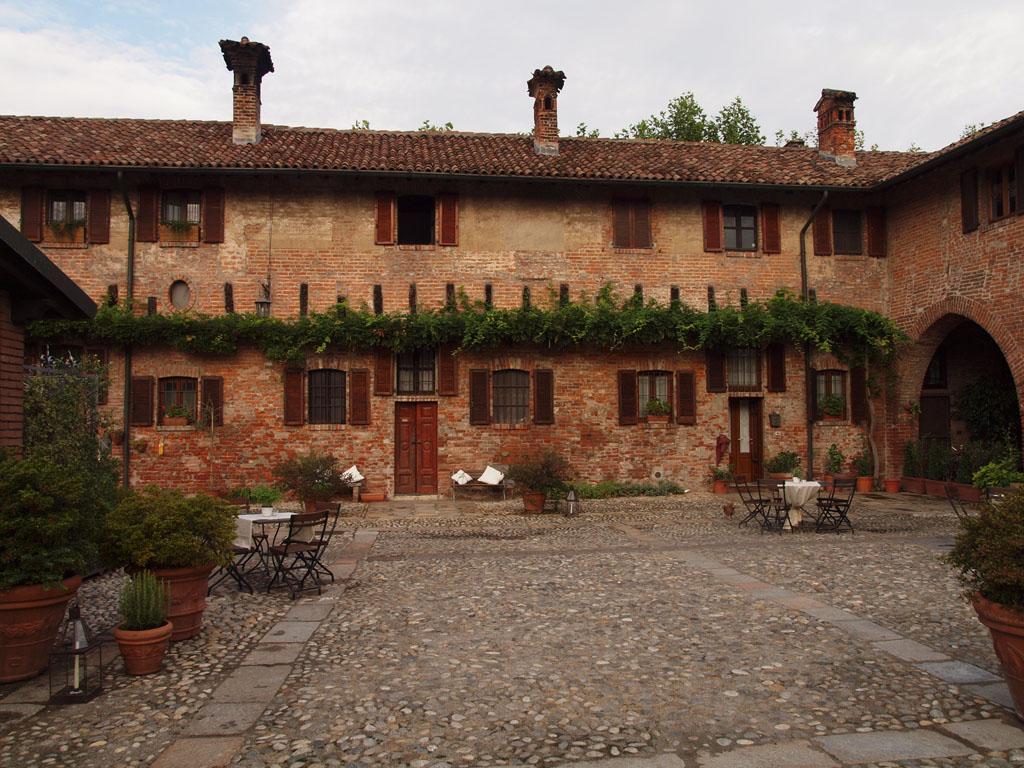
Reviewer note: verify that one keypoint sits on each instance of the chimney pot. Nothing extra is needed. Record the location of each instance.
(544, 87)
(837, 137)
(250, 62)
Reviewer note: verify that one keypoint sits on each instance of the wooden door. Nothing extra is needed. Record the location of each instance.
(746, 436)
(935, 418)
(416, 448)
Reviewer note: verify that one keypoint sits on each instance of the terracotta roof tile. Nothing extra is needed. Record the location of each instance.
(199, 145)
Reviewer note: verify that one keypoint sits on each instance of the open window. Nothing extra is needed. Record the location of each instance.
(416, 219)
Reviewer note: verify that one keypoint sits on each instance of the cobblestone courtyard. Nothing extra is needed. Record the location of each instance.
(480, 637)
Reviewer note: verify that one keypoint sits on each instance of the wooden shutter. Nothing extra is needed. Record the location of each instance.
(716, 371)
(213, 215)
(382, 378)
(98, 211)
(384, 211)
(858, 394)
(32, 213)
(147, 220)
(771, 228)
(823, 233)
(686, 397)
(101, 354)
(212, 398)
(969, 200)
(360, 383)
(621, 229)
(712, 226)
(479, 401)
(1019, 178)
(776, 354)
(141, 401)
(628, 400)
(812, 395)
(641, 224)
(543, 396)
(876, 230)
(447, 370)
(294, 410)
(448, 218)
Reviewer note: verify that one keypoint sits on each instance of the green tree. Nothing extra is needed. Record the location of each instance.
(735, 125)
(685, 120)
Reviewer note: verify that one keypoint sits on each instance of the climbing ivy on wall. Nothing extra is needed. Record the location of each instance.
(604, 320)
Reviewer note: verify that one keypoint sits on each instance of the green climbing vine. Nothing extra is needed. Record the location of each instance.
(604, 320)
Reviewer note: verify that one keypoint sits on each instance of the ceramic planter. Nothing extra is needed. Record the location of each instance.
(533, 501)
(187, 587)
(892, 485)
(865, 484)
(143, 650)
(175, 421)
(912, 484)
(720, 486)
(29, 621)
(1007, 629)
(935, 488)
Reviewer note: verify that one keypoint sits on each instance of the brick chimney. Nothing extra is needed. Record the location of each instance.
(836, 136)
(544, 87)
(250, 62)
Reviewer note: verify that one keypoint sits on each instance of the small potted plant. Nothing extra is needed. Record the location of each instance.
(719, 479)
(540, 476)
(830, 406)
(313, 477)
(658, 411)
(863, 467)
(264, 497)
(834, 462)
(116, 435)
(782, 466)
(989, 555)
(140, 444)
(144, 630)
(176, 416)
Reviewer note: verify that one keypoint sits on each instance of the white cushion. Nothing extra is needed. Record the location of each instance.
(352, 474)
(462, 477)
(491, 476)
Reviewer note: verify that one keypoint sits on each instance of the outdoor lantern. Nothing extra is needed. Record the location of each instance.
(262, 307)
(572, 504)
(76, 662)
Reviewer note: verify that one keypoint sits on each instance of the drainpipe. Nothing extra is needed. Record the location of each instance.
(808, 382)
(126, 446)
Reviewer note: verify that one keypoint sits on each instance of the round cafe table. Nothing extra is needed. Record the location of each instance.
(796, 493)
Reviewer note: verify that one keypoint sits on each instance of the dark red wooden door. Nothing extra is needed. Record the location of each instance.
(746, 436)
(416, 448)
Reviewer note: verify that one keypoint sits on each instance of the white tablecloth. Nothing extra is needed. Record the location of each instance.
(797, 493)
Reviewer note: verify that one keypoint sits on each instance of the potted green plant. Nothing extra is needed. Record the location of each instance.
(719, 479)
(116, 435)
(782, 466)
(989, 555)
(831, 406)
(313, 477)
(912, 480)
(834, 461)
(539, 476)
(264, 497)
(180, 539)
(176, 416)
(863, 467)
(1001, 473)
(658, 410)
(144, 630)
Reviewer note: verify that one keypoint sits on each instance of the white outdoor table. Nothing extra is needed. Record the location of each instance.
(263, 543)
(797, 493)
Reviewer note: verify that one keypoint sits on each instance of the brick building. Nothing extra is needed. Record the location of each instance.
(242, 217)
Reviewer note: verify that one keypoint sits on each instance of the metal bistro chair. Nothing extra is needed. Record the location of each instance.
(759, 503)
(834, 507)
(295, 558)
(243, 549)
(333, 513)
(962, 508)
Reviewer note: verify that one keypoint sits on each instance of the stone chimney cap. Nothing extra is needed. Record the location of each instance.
(244, 54)
(829, 93)
(548, 75)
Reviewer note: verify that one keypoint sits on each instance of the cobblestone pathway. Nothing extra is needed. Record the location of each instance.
(652, 629)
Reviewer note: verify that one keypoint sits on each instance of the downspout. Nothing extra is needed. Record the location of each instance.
(126, 451)
(808, 383)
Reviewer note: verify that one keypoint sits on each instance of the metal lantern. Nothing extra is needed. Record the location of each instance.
(76, 662)
(572, 504)
(262, 307)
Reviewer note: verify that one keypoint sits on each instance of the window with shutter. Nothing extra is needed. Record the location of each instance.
(178, 392)
(858, 394)
(650, 386)
(382, 384)
(415, 372)
(628, 408)
(830, 395)
(822, 233)
(712, 226)
(686, 397)
(147, 217)
(384, 218)
(32, 213)
(716, 371)
(739, 226)
(743, 369)
(447, 371)
(1002, 185)
(969, 199)
(772, 228)
(543, 396)
(360, 396)
(776, 354)
(876, 231)
(479, 402)
(846, 232)
(181, 215)
(98, 211)
(631, 223)
(448, 206)
(510, 391)
(415, 219)
(141, 400)
(65, 216)
(326, 396)
(213, 215)
(212, 397)
(294, 413)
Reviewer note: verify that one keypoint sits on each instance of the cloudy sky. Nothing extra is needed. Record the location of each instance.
(922, 71)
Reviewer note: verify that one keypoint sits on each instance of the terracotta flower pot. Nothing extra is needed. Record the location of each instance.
(187, 587)
(892, 485)
(720, 486)
(864, 484)
(143, 650)
(533, 501)
(912, 484)
(1007, 629)
(936, 488)
(29, 621)
(175, 421)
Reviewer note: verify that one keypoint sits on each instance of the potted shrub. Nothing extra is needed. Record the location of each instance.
(180, 539)
(658, 410)
(863, 467)
(998, 474)
(831, 406)
(782, 466)
(719, 479)
(264, 497)
(540, 476)
(834, 462)
(313, 477)
(938, 468)
(144, 630)
(176, 416)
(989, 555)
(46, 541)
(913, 476)
(116, 435)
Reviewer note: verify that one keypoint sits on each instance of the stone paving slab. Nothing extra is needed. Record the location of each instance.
(791, 755)
(273, 653)
(291, 632)
(997, 692)
(989, 734)
(867, 630)
(222, 719)
(775, 593)
(252, 684)
(343, 569)
(208, 752)
(829, 613)
(891, 745)
(17, 711)
(802, 603)
(658, 761)
(910, 650)
(310, 612)
(958, 672)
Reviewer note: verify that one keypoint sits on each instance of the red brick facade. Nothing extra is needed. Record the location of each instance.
(12, 374)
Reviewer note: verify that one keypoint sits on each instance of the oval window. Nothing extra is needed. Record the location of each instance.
(181, 294)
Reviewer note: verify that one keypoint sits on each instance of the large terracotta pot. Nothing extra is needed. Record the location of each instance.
(892, 484)
(719, 486)
(912, 484)
(533, 501)
(29, 621)
(1007, 629)
(143, 650)
(187, 587)
(864, 484)
(936, 488)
